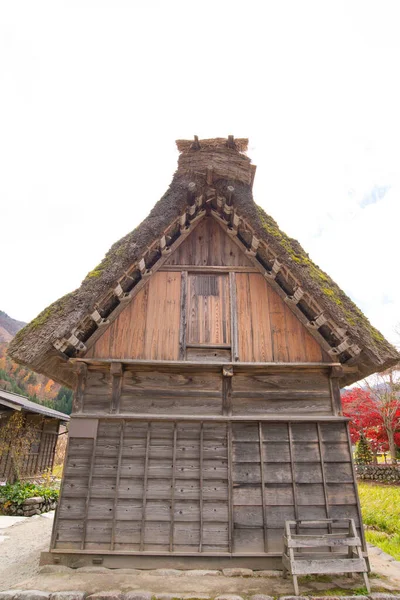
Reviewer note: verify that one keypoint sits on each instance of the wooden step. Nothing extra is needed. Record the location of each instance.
(328, 565)
(320, 541)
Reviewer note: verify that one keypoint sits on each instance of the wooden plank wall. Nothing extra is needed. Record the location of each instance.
(267, 329)
(293, 393)
(209, 246)
(202, 487)
(162, 391)
(149, 326)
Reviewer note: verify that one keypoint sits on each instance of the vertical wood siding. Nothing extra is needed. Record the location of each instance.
(267, 329)
(149, 326)
(202, 487)
(209, 246)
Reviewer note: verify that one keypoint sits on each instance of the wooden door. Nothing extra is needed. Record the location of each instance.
(208, 330)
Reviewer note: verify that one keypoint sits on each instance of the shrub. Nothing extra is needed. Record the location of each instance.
(16, 493)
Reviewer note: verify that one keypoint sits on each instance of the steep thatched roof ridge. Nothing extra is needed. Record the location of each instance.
(34, 345)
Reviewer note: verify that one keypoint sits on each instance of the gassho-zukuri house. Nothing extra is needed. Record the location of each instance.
(206, 353)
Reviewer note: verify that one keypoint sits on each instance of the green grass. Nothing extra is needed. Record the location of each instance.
(380, 505)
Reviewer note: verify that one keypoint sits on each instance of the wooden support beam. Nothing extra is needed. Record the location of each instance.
(231, 142)
(116, 370)
(146, 475)
(82, 370)
(201, 485)
(229, 194)
(321, 457)
(196, 144)
(230, 489)
(173, 483)
(210, 175)
(227, 394)
(191, 194)
(234, 317)
(336, 399)
(183, 317)
(87, 501)
(293, 472)
(120, 450)
(265, 514)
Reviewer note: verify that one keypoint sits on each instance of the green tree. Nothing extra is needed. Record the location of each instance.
(363, 454)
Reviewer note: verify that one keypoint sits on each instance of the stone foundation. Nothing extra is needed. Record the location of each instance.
(29, 507)
(383, 473)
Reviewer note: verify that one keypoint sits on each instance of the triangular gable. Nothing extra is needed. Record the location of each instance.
(149, 327)
(213, 177)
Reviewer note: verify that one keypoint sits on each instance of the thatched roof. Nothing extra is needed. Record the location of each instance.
(208, 170)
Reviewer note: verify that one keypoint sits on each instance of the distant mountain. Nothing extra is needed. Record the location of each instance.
(21, 380)
(8, 327)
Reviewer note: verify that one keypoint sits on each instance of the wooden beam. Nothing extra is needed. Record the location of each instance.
(238, 367)
(81, 369)
(91, 469)
(230, 489)
(120, 449)
(217, 418)
(116, 370)
(183, 317)
(265, 516)
(201, 485)
(146, 474)
(321, 456)
(292, 470)
(173, 483)
(209, 269)
(234, 317)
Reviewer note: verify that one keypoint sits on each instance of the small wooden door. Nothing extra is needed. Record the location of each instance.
(208, 330)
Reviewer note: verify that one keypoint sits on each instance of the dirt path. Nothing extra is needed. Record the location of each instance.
(21, 547)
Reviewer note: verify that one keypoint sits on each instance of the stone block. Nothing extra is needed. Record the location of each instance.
(201, 573)
(128, 572)
(137, 595)
(36, 500)
(261, 597)
(228, 597)
(55, 569)
(166, 572)
(92, 570)
(109, 595)
(164, 596)
(32, 595)
(68, 596)
(267, 574)
(237, 572)
(9, 594)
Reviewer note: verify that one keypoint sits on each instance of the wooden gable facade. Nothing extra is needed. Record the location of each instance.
(205, 415)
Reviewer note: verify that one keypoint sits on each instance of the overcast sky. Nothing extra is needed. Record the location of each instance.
(94, 93)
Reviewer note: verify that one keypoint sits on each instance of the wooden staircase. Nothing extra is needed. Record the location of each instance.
(328, 553)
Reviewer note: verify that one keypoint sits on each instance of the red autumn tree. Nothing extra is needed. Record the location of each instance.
(375, 412)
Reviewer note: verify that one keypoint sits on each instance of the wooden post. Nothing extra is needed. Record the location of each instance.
(91, 468)
(120, 449)
(296, 509)
(116, 370)
(80, 387)
(172, 524)
(183, 325)
(260, 439)
(234, 317)
(146, 474)
(321, 455)
(201, 486)
(336, 373)
(230, 488)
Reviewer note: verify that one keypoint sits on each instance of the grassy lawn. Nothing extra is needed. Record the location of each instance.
(380, 505)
